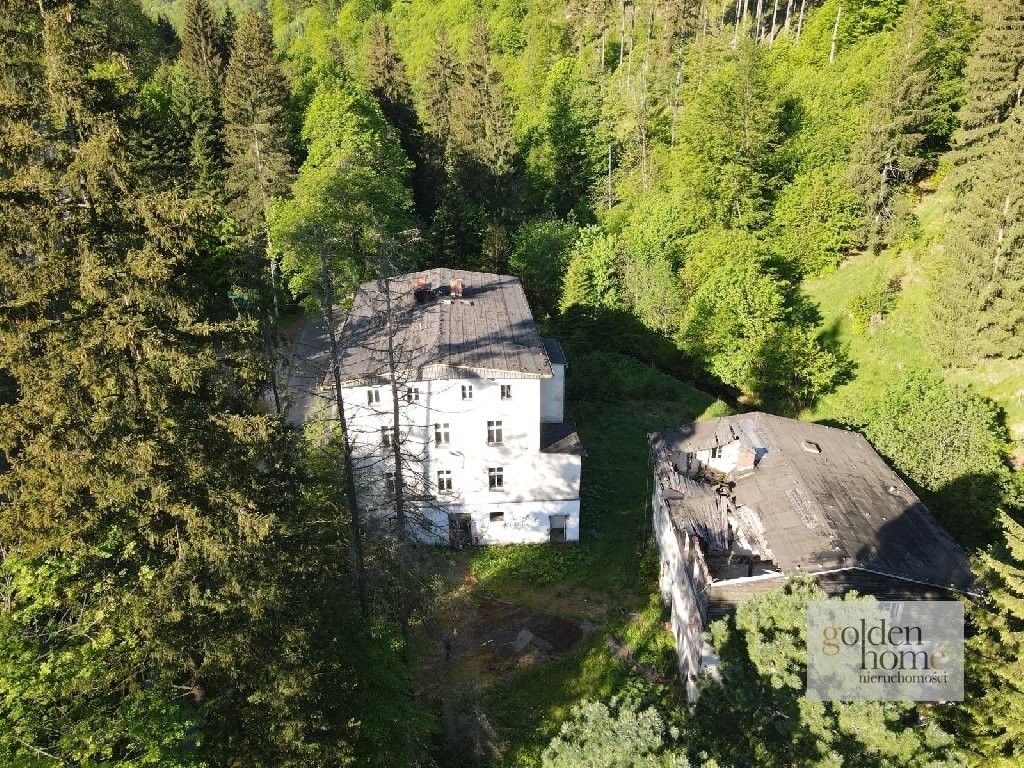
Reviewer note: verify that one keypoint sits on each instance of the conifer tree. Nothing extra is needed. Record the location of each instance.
(202, 46)
(157, 555)
(199, 94)
(995, 656)
(226, 37)
(256, 139)
(979, 295)
(994, 77)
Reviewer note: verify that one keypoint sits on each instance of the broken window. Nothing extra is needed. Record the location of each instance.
(497, 517)
(506, 391)
(388, 436)
(494, 432)
(389, 481)
(496, 478)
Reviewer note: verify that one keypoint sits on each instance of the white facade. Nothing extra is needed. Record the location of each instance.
(683, 582)
(474, 470)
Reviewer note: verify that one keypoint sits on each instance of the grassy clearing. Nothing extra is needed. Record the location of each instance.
(607, 579)
(901, 339)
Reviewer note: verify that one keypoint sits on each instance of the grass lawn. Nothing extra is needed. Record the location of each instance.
(902, 339)
(607, 579)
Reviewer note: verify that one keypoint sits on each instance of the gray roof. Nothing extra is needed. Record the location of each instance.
(488, 331)
(561, 438)
(825, 499)
(554, 350)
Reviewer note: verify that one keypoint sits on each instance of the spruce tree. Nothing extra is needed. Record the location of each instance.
(256, 139)
(385, 74)
(199, 94)
(158, 548)
(226, 36)
(995, 656)
(994, 77)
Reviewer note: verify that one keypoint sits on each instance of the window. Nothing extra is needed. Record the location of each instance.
(412, 394)
(497, 517)
(389, 480)
(506, 391)
(372, 396)
(467, 391)
(388, 436)
(496, 478)
(716, 452)
(441, 436)
(444, 480)
(493, 432)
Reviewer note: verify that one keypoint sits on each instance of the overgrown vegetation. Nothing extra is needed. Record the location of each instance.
(693, 193)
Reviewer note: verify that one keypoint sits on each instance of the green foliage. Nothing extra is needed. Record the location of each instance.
(255, 99)
(950, 443)
(748, 328)
(349, 196)
(567, 156)
(591, 277)
(816, 217)
(994, 695)
(763, 668)
(539, 258)
(620, 734)
(873, 304)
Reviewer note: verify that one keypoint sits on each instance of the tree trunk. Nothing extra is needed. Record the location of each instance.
(404, 609)
(835, 35)
(356, 542)
(610, 198)
(622, 33)
(800, 21)
(675, 99)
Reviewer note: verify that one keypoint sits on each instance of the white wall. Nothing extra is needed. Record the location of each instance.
(535, 484)
(552, 396)
(522, 523)
(682, 581)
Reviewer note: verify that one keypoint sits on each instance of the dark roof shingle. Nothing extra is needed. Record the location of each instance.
(488, 329)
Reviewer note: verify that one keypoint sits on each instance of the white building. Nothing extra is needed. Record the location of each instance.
(487, 456)
(742, 502)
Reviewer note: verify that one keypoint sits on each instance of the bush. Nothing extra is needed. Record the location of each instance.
(873, 304)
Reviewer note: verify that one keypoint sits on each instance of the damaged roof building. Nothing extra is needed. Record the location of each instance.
(742, 502)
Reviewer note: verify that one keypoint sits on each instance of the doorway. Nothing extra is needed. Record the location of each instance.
(557, 532)
(460, 530)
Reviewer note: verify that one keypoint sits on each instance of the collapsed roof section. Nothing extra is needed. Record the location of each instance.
(797, 497)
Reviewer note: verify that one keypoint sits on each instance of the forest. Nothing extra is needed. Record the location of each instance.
(809, 207)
